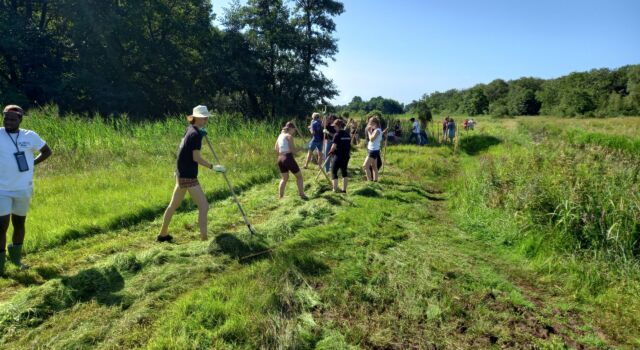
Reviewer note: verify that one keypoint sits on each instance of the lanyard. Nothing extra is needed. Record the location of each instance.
(15, 143)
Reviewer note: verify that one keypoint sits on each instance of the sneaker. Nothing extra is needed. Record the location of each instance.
(167, 238)
(304, 197)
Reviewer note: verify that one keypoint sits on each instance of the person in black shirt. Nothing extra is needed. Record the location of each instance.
(187, 174)
(341, 150)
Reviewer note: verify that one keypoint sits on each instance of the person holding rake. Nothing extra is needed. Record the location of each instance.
(341, 150)
(189, 158)
(285, 148)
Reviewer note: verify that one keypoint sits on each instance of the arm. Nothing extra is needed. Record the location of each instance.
(197, 157)
(45, 152)
(292, 145)
(333, 149)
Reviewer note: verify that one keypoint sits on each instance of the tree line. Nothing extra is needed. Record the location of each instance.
(153, 58)
(596, 93)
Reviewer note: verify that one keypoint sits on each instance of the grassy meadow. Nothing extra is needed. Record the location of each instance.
(525, 234)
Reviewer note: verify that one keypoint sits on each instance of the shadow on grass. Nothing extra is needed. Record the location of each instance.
(235, 248)
(303, 261)
(33, 306)
(150, 213)
(367, 192)
(96, 283)
(475, 144)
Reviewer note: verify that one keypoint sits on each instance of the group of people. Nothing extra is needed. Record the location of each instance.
(332, 143)
(330, 139)
(469, 124)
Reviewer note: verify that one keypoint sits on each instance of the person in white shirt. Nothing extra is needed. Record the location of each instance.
(17, 161)
(415, 132)
(374, 134)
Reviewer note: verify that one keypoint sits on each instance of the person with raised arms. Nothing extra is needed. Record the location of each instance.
(316, 142)
(329, 132)
(285, 147)
(17, 162)
(186, 174)
(341, 150)
(374, 135)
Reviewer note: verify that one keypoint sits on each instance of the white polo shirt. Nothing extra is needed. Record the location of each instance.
(416, 127)
(11, 179)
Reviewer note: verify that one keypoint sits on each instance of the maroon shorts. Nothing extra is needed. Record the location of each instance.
(187, 183)
(287, 163)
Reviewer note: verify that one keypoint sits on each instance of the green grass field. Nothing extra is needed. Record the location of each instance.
(526, 235)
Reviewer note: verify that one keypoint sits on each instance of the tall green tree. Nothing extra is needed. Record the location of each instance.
(313, 21)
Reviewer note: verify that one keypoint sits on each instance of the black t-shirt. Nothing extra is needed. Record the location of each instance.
(332, 132)
(342, 140)
(192, 140)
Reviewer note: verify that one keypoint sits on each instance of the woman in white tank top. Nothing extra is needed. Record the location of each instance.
(286, 161)
(374, 134)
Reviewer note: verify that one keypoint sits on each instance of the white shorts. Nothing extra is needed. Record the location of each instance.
(15, 202)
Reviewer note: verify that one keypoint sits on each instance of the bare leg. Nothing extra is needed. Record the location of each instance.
(176, 199)
(374, 170)
(366, 166)
(300, 184)
(306, 162)
(283, 183)
(18, 229)
(199, 197)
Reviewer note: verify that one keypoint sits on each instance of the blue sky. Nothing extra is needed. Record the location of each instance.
(402, 49)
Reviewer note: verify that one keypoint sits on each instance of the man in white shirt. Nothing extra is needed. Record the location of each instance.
(415, 132)
(16, 180)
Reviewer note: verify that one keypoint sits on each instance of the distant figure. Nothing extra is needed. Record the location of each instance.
(286, 162)
(415, 131)
(451, 129)
(354, 133)
(445, 122)
(374, 134)
(316, 141)
(465, 124)
(397, 129)
(472, 124)
(17, 163)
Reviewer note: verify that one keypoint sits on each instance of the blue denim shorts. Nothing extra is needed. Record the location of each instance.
(313, 145)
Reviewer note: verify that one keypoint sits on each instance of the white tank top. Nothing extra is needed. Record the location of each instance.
(374, 145)
(283, 143)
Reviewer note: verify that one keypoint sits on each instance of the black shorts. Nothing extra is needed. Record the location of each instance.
(339, 164)
(287, 163)
(374, 154)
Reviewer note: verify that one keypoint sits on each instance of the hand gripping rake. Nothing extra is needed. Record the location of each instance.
(235, 198)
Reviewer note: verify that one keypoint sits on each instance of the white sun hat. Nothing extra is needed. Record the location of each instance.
(200, 111)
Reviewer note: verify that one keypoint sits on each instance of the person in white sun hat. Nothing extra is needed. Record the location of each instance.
(17, 161)
(189, 158)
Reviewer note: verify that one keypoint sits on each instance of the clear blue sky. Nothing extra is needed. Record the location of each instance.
(402, 49)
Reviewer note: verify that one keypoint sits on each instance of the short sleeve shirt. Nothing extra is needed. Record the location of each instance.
(27, 141)
(416, 127)
(342, 140)
(186, 167)
(316, 129)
